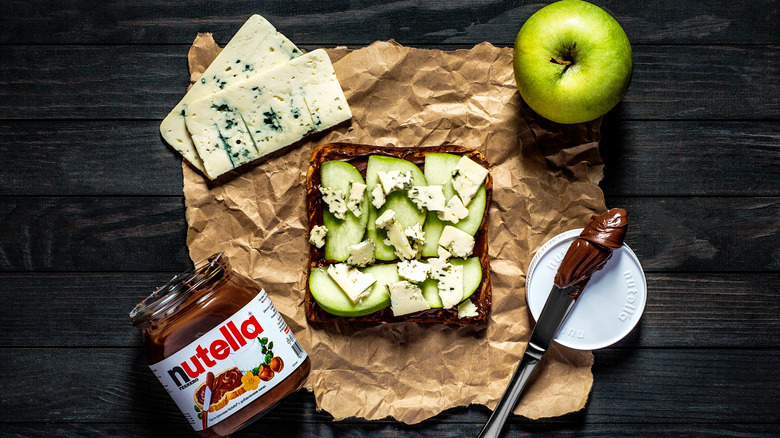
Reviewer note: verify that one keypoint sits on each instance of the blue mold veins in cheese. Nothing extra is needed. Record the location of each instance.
(256, 47)
(266, 112)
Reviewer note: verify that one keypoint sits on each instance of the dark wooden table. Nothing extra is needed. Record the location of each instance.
(92, 214)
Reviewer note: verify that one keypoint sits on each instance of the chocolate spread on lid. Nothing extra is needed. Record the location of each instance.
(591, 250)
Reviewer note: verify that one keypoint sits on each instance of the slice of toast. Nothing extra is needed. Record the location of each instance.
(227, 386)
(358, 155)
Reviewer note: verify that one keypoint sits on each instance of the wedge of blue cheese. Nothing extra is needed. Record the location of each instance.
(317, 235)
(394, 180)
(355, 284)
(266, 112)
(467, 177)
(413, 270)
(335, 201)
(449, 281)
(467, 309)
(256, 47)
(416, 237)
(406, 298)
(456, 242)
(428, 197)
(396, 237)
(355, 201)
(361, 254)
(378, 196)
(454, 211)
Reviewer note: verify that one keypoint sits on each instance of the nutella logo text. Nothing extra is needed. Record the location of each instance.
(233, 338)
(631, 291)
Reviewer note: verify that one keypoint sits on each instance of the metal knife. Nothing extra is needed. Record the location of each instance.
(559, 304)
(207, 400)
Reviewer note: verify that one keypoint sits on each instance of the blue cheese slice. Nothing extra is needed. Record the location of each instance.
(256, 47)
(361, 254)
(266, 112)
(443, 253)
(394, 180)
(467, 309)
(355, 284)
(416, 237)
(335, 200)
(406, 298)
(450, 284)
(454, 211)
(457, 242)
(377, 196)
(467, 176)
(449, 281)
(355, 201)
(413, 270)
(317, 235)
(396, 237)
(428, 197)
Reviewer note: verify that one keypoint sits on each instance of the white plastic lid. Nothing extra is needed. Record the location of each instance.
(608, 308)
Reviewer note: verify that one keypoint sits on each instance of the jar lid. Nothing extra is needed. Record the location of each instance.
(610, 305)
(167, 297)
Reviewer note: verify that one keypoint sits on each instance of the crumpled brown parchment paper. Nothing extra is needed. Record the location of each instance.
(545, 178)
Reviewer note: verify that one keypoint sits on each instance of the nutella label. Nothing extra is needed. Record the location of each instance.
(231, 365)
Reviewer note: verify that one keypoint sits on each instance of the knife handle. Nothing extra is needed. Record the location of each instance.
(531, 357)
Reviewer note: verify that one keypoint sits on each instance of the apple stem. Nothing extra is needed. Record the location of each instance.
(564, 62)
(558, 61)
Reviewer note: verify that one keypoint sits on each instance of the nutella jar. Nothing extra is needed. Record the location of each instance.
(219, 347)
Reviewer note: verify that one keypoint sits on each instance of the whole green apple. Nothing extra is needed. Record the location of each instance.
(572, 62)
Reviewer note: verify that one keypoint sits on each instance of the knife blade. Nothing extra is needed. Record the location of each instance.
(559, 304)
(207, 399)
(586, 255)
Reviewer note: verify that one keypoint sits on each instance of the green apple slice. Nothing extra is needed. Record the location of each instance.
(406, 213)
(438, 170)
(333, 300)
(472, 278)
(342, 233)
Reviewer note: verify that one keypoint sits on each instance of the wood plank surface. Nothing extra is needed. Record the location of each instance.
(361, 22)
(703, 234)
(670, 385)
(349, 429)
(92, 234)
(145, 82)
(683, 310)
(92, 216)
(661, 158)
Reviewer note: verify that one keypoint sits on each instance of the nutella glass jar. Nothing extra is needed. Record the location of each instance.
(219, 347)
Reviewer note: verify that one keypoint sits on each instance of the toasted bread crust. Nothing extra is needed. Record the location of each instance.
(358, 155)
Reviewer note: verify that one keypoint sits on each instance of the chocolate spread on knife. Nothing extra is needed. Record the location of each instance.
(213, 320)
(591, 250)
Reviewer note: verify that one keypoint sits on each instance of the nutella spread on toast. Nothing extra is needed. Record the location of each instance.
(591, 250)
(219, 347)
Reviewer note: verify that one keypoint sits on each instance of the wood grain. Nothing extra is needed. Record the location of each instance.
(683, 310)
(92, 217)
(670, 385)
(145, 82)
(87, 158)
(660, 158)
(669, 234)
(274, 428)
(92, 234)
(361, 22)
(690, 158)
